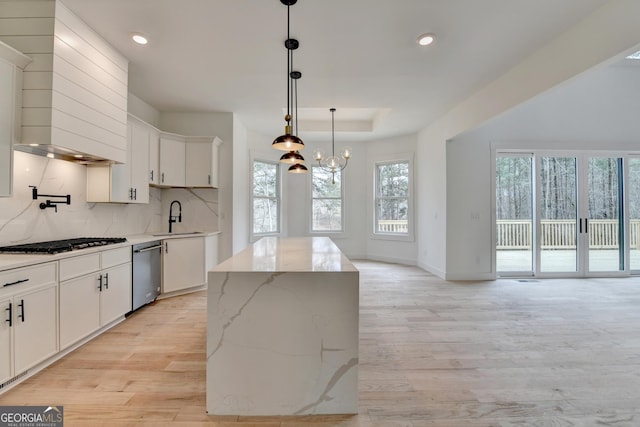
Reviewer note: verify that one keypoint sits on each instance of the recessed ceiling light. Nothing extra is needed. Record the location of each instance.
(139, 38)
(50, 155)
(426, 39)
(634, 55)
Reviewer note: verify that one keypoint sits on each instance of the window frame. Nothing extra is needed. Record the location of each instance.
(387, 160)
(333, 233)
(253, 236)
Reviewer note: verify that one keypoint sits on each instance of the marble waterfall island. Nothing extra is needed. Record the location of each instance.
(282, 330)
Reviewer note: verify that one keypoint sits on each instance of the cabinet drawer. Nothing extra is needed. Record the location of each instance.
(114, 257)
(34, 275)
(79, 266)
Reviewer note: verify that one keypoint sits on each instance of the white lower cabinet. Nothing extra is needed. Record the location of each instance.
(29, 331)
(95, 290)
(35, 337)
(183, 264)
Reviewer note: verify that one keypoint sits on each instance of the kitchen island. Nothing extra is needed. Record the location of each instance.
(282, 330)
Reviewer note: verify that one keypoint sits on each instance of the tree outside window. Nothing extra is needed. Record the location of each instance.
(266, 198)
(392, 198)
(326, 201)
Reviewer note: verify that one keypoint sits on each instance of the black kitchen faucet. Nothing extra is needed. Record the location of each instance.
(172, 217)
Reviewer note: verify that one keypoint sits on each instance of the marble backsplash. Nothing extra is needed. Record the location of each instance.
(22, 220)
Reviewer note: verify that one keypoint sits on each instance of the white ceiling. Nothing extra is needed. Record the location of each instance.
(359, 56)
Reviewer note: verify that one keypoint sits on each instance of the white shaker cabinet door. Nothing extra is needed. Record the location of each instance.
(115, 298)
(5, 340)
(36, 326)
(79, 308)
(172, 161)
(183, 264)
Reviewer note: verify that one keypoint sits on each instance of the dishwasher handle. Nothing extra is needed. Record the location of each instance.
(151, 248)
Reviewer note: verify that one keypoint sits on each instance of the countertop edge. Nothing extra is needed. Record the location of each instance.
(12, 261)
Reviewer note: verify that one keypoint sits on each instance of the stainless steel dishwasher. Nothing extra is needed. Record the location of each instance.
(146, 273)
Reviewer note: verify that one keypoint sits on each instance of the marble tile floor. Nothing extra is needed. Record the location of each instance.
(432, 353)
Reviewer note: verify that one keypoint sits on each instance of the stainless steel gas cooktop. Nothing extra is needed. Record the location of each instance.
(57, 246)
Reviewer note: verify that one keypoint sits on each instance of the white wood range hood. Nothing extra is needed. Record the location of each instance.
(75, 90)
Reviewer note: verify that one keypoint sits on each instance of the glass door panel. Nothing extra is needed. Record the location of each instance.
(633, 185)
(558, 215)
(514, 214)
(603, 223)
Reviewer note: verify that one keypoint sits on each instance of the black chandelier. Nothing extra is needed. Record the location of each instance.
(289, 142)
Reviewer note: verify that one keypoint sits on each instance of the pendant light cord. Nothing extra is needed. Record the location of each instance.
(289, 60)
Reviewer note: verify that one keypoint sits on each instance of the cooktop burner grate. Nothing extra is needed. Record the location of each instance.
(57, 246)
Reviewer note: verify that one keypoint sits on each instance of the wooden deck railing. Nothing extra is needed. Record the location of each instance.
(393, 226)
(561, 234)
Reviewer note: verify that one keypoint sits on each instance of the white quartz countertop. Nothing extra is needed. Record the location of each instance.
(288, 254)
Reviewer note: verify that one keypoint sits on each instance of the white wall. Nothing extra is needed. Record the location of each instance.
(432, 200)
(608, 33)
(240, 178)
(142, 110)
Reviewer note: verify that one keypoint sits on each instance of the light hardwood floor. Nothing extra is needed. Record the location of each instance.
(432, 353)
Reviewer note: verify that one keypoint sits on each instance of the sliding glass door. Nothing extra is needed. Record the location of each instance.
(562, 215)
(514, 213)
(557, 221)
(602, 222)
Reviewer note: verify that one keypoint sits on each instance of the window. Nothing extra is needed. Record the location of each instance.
(392, 209)
(265, 198)
(326, 201)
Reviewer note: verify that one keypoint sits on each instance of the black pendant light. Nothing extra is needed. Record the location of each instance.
(288, 141)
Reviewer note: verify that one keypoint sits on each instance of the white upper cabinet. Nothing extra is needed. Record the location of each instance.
(202, 161)
(172, 160)
(154, 156)
(11, 64)
(75, 90)
(127, 182)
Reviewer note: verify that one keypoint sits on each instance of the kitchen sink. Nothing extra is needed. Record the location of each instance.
(186, 233)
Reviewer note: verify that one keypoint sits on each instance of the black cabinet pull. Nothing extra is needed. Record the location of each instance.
(162, 177)
(21, 305)
(135, 194)
(209, 179)
(106, 281)
(15, 283)
(100, 283)
(10, 310)
(580, 220)
(152, 175)
(586, 225)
